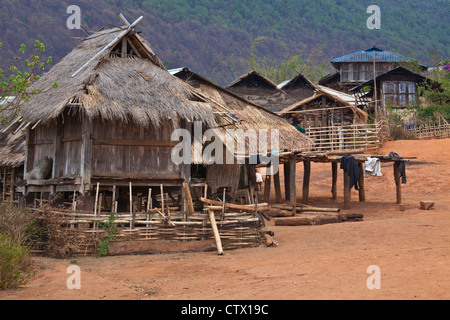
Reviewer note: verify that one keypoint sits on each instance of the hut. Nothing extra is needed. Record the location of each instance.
(249, 116)
(259, 90)
(324, 109)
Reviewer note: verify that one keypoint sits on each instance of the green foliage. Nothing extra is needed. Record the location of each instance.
(15, 82)
(110, 228)
(200, 33)
(15, 265)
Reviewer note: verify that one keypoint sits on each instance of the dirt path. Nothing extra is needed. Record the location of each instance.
(411, 248)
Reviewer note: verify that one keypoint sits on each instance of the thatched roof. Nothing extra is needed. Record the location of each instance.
(252, 75)
(136, 89)
(248, 114)
(360, 115)
(12, 146)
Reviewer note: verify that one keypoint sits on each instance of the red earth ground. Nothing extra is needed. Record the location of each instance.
(411, 248)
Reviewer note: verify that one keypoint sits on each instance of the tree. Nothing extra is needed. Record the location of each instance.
(16, 80)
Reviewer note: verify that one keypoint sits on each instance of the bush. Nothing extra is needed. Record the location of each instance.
(15, 265)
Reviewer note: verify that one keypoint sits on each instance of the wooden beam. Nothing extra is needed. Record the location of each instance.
(248, 208)
(286, 181)
(292, 175)
(334, 173)
(362, 190)
(187, 192)
(398, 183)
(306, 180)
(135, 143)
(347, 191)
(276, 182)
(267, 183)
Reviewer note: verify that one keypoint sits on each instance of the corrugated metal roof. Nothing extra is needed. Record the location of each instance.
(367, 56)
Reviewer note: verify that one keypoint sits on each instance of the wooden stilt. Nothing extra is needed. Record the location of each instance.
(267, 183)
(131, 204)
(96, 197)
(362, 190)
(334, 172)
(347, 191)
(276, 182)
(292, 186)
(286, 181)
(306, 180)
(398, 183)
(113, 201)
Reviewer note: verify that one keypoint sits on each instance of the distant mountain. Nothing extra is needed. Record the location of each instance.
(213, 37)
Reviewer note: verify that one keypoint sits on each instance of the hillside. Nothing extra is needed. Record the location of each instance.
(213, 37)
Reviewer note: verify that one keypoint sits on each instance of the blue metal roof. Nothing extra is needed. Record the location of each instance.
(367, 56)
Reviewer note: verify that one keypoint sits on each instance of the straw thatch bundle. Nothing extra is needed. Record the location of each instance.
(126, 89)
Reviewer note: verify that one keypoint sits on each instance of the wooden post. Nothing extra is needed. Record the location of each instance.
(398, 183)
(131, 203)
(292, 187)
(347, 191)
(362, 190)
(224, 200)
(286, 181)
(96, 197)
(12, 187)
(113, 199)
(334, 173)
(4, 184)
(267, 183)
(276, 182)
(162, 198)
(212, 219)
(187, 193)
(149, 200)
(306, 180)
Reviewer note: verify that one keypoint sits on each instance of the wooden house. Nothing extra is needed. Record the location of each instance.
(396, 88)
(265, 93)
(109, 121)
(358, 67)
(324, 109)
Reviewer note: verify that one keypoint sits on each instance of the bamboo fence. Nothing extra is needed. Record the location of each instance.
(423, 132)
(237, 229)
(358, 136)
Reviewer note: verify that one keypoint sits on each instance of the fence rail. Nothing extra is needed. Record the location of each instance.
(363, 136)
(430, 131)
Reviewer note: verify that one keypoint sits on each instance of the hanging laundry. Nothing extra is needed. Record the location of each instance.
(401, 166)
(372, 167)
(349, 165)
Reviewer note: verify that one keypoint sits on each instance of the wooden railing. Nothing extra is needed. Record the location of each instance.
(359, 136)
(430, 131)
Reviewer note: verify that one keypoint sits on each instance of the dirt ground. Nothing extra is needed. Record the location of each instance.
(411, 248)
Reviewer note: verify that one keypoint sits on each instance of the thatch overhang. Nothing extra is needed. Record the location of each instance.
(246, 114)
(135, 89)
(12, 145)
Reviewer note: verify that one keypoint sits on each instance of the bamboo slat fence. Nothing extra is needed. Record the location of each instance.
(441, 131)
(237, 229)
(358, 136)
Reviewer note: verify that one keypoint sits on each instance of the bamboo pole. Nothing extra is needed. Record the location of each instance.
(212, 219)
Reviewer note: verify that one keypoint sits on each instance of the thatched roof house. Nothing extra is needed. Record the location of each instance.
(324, 109)
(265, 93)
(111, 117)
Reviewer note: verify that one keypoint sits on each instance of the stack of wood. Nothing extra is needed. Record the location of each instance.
(303, 214)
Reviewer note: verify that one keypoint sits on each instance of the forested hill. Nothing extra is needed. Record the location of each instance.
(213, 37)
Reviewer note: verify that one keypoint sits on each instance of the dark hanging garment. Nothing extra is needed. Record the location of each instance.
(401, 166)
(349, 165)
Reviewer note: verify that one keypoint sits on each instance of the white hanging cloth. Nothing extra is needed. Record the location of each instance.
(373, 167)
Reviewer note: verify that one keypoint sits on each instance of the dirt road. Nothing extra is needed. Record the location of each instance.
(411, 248)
